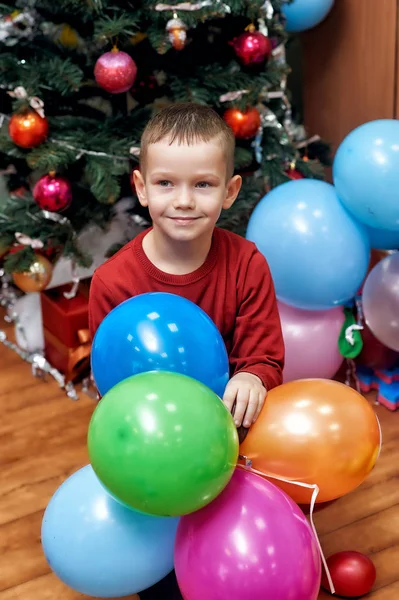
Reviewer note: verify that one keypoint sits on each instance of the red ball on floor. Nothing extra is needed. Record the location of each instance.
(353, 574)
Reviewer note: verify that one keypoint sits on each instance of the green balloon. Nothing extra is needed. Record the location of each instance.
(163, 443)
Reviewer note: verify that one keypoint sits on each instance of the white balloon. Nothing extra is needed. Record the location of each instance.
(381, 301)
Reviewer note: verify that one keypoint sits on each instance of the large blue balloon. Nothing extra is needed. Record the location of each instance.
(101, 548)
(383, 239)
(317, 253)
(305, 14)
(366, 173)
(159, 331)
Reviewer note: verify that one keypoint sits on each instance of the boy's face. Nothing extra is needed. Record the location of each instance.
(185, 187)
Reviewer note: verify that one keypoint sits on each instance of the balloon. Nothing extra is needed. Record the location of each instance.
(305, 14)
(366, 173)
(311, 342)
(353, 574)
(159, 331)
(381, 301)
(374, 354)
(251, 543)
(375, 257)
(100, 548)
(383, 239)
(315, 431)
(163, 443)
(317, 253)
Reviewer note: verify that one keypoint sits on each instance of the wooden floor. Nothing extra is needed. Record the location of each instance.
(43, 441)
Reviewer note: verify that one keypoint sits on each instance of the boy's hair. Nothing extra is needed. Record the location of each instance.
(188, 123)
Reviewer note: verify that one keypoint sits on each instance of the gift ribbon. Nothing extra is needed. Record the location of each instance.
(36, 103)
(315, 493)
(84, 336)
(25, 240)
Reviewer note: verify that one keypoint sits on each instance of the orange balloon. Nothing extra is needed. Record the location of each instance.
(315, 431)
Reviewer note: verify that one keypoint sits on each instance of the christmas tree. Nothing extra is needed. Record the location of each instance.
(79, 80)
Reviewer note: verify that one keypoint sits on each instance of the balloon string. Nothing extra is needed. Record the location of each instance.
(315, 493)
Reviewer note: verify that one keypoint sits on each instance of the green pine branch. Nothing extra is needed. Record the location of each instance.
(8, 147)
(50, 157)
(104, 183)
(86, 9)
(20, 261)
(60, 74)
(243, 157)
(85, 122)
(115, 26)
(55, 73)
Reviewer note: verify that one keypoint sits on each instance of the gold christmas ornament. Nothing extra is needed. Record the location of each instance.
(177, 32)
(37, 277)
(68, 37)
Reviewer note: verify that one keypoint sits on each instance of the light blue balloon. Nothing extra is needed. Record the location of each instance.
(305, 14)
(366, 173)
(159, 332)
(98, 547)
(318, 254)
(383, 239)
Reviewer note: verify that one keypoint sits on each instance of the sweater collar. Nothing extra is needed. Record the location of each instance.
(168, 278)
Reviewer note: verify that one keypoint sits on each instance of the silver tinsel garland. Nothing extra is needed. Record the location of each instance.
(39, 364)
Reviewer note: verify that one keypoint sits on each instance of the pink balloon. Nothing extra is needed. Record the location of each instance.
(381, 301)
(251, 543)
(311, 342)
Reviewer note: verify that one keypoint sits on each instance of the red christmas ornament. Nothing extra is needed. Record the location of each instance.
(28, 129)
(353, 574)
(294, 174)
(53, 193)
(115, 71)
(244, 124)
(252, 47)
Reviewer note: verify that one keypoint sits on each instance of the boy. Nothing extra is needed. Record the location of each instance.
(186, 179)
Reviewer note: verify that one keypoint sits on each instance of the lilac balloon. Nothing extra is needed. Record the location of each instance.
(251, 543)
(381, 301)
(311, 342)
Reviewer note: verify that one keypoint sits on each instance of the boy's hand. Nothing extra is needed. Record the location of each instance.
(247, 392)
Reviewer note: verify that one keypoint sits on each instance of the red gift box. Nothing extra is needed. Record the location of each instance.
(73, 363)
(64, 317)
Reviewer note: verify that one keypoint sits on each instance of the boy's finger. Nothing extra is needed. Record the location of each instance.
(230, 396)
(242, 403)
(251, 408)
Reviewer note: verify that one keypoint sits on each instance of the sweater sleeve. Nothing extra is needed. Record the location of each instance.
(258, 345)
(101, 302)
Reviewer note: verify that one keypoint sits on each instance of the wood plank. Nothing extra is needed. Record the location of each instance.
(349, 68)
(47, 587)
(364, 501)
(35, 482)
(43, 440)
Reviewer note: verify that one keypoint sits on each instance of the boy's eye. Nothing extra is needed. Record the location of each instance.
(203, 184)
(164, 183)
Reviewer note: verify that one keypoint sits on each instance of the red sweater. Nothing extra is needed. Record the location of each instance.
(233, 286)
